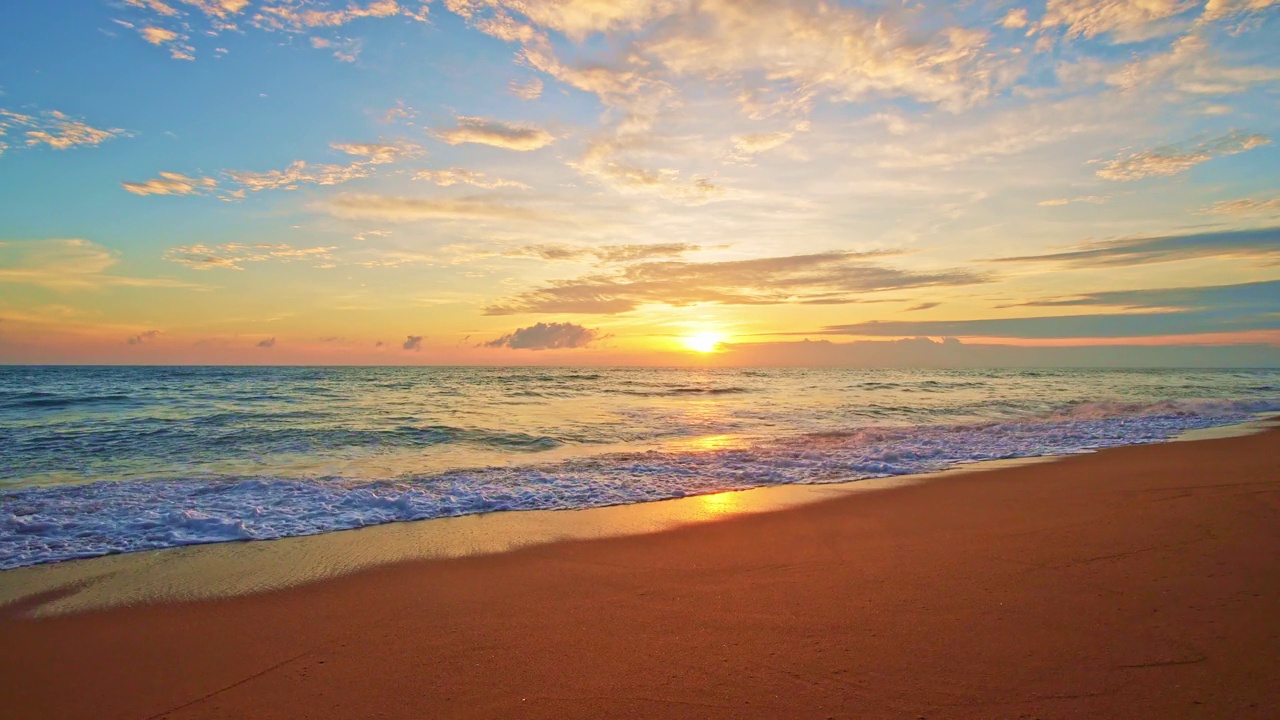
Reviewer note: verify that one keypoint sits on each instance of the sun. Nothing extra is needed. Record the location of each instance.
(704, 342)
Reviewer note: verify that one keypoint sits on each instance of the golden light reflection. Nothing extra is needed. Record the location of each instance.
(721, 503)
(712, 442)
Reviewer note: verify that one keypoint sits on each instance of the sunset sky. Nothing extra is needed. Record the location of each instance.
(776, 182)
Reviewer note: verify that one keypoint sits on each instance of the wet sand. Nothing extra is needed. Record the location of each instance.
(1139, 582)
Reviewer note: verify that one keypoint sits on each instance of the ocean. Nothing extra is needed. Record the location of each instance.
(98, 460)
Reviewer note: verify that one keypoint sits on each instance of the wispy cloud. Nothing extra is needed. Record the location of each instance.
(1245, 206)
(1174, 159)
(233, 256)
(1091, 199)
(143, 338)
(1124, 20)
(53, 129)
(822, 278)
(459, 176)
(612, 254)
(403, 209)
(69, 264)
(1256, 296)
(1116, 325)
(1152, 313)
(530, 89)
(1262, 244)
(238, 183)
(521, 137)
(172, 184)
(547, 336)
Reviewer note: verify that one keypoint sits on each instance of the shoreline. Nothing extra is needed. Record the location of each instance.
(1137, 582)
(209, 571)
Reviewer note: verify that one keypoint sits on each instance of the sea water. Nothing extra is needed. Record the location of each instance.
(97, 460)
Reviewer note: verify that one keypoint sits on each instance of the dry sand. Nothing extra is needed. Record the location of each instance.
(1139, 582)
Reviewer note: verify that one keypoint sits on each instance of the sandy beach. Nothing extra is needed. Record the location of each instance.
(1138, 582)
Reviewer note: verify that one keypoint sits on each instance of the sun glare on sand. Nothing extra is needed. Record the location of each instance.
(705, 342)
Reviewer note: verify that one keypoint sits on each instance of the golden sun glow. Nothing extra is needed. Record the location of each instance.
(704, 342)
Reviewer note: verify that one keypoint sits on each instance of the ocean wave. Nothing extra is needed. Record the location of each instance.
(48, 524)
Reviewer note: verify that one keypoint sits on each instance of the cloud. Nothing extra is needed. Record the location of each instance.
(174, 41)
(143, 337)
(529, 90)
(1245, 206)
(923, 306)
(458, 176)
(54, 129)
(823, 278)
(233, 256)
(401, 209)
(1174, 159)
(796, 49)
(294, 16)
(414, 343)
(1220, 9)
(267, 344)
(484, 131)
(547, 336)
(605, 160)
(1014, 19)
(172, 184)
(344, 49)
(612, 254)
(1152, 312)
(759, 142)
(157, 36)
(298, 173)
(950, 352)
(1092, 199)
(1190, 68)
(68, 264)
(1261, 244)
(379, 154)
(1116, 325)
(1124, 20)
(1256, 297)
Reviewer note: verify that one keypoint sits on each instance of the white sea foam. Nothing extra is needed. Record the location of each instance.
(48, 524)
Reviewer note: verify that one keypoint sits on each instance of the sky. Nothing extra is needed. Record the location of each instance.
(640, 182)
